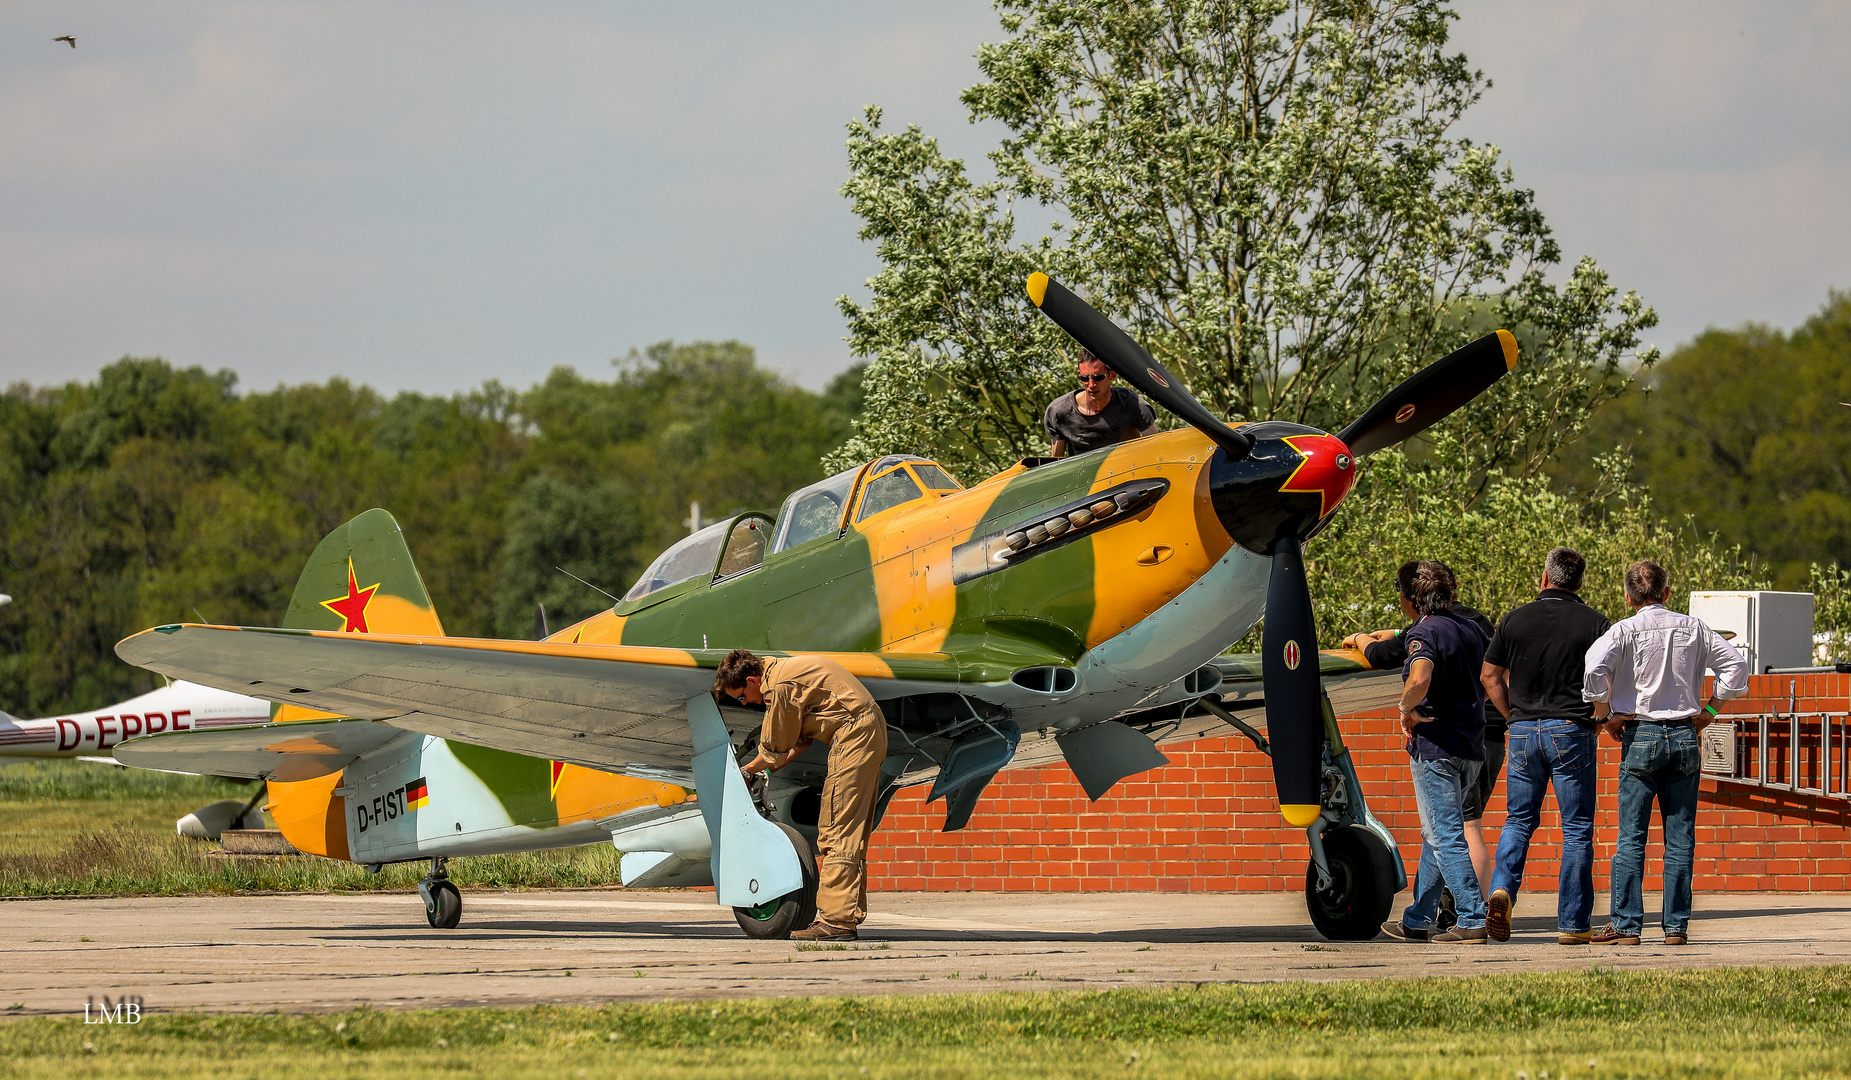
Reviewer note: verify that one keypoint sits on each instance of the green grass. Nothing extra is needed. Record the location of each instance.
(75, 828)
(1753, 1022)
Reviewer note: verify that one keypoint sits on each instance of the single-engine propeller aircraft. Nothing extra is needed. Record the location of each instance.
(1068, 609)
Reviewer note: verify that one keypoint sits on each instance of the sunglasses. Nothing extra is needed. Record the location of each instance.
(1094, 378)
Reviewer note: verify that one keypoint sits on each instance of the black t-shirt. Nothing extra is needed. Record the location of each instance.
(1544, 643)
(1123, 417)
(1455, 699)
(1393, 653)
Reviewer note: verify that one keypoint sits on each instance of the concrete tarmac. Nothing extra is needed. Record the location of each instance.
(327, 952)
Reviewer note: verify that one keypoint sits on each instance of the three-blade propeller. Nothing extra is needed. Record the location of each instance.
(1289, 654)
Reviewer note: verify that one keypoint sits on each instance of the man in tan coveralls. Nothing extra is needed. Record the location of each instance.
(806, 699)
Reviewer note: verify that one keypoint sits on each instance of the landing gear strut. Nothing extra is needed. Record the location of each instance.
(443, 904)
(1355, 870)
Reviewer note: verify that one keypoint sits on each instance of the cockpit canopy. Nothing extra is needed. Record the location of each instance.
(816, 511)
(739, 544)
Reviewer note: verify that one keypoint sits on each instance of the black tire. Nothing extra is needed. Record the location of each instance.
(446, 907)
(1362, 888)
(777, 919)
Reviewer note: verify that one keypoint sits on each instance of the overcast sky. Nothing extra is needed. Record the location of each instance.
(427, 195)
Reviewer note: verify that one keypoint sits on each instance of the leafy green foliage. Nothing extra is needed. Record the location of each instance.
(1744, 431)
(1267, 193)
(588, 530)
(1496, 547)
(158, 494)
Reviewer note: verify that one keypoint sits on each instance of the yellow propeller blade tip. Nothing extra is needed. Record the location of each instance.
(1300, 815)
(1509, 342)
(1037, 287)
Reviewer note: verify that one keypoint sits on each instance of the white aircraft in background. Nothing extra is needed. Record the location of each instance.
(179, 706)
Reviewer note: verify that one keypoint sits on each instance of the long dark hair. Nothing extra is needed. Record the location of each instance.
(1428, 585)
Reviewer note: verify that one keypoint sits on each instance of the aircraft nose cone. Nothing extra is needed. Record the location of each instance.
(1325, 468)
(1295, 477)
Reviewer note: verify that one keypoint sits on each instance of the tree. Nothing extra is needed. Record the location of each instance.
(1744, 431)
(590, 530)
(1267, 193)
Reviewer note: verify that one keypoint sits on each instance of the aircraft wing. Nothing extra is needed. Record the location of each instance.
(295, 751)
(1354, 687)
(616, 707)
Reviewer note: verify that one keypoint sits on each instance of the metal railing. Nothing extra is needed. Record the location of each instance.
(1808, 753)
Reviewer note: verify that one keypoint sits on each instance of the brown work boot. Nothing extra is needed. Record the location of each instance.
(1497, 915)
(822, 931)
(1607, 935)
(1677, 939)
(1574, 937)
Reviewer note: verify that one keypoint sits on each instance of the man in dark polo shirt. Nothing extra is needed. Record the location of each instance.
(1533, 675)
(1097, 414)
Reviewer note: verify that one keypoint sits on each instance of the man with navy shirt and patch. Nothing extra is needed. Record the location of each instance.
(1442, 711)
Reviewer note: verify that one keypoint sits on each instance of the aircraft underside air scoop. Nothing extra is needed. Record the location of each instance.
(1101, 755)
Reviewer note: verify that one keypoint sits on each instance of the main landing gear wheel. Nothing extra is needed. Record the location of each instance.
(779, 918)
(443, 904)
(1362, 886)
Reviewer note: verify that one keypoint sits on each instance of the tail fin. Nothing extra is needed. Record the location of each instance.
(360, 579)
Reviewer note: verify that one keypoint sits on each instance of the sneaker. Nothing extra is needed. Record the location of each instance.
(1676, 939)
(1574, 937)
(1497, 915)
(1459, 935)
(1607, 935)
(1401, 931)
(822, 931)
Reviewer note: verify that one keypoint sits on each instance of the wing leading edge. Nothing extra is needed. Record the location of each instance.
(615, 707)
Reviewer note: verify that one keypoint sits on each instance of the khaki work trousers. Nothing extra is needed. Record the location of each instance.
(849, 794)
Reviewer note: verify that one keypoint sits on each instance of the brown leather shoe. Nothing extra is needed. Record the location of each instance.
(822, 931)
(1677, 939)
(1459, 935)
(1607, 935)
(1400, 931)
(1497, 915)
(1573, 937)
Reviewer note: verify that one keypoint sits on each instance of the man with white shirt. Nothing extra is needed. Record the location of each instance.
(1645, 678)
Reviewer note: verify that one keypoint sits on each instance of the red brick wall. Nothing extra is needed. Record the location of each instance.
(1207, 823)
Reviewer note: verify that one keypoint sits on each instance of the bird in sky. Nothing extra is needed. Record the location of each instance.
(68, 40)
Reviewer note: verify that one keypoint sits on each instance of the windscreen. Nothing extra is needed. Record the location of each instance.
(813, 512)
(693, 557)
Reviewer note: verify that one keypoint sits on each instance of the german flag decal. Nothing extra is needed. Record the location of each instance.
(416, 794)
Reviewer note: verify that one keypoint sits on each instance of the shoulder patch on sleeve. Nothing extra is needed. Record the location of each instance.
(1415, 644)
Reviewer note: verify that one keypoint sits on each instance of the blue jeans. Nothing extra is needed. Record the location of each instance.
(1543, 752)
(1445, 862)
(1662, 761)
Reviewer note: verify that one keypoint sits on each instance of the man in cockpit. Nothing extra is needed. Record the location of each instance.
(809, 699)
(1097, 414)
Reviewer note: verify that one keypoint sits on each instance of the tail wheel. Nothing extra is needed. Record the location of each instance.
(1362, 886)
(777, 919)
(444, 908)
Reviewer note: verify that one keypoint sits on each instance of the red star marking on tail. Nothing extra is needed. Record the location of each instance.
(1325, 468)
(352, 607)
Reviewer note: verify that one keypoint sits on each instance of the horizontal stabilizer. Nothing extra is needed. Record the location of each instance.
(284, 752)
(1103, 754)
